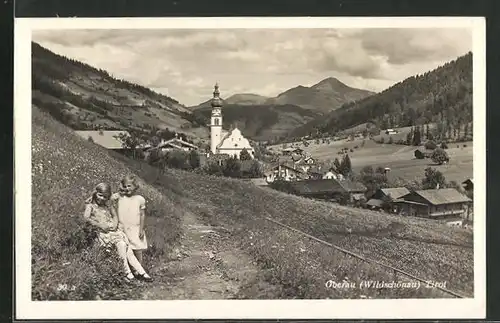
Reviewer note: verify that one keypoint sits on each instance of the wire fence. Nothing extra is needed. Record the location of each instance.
(395, 271)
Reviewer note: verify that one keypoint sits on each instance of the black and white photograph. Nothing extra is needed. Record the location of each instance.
(250, 167)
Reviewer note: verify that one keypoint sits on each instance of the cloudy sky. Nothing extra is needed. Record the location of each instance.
(185, 64)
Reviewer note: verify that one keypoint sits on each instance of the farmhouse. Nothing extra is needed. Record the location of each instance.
(230, 142)
(176, 143)
(109, 139)
(286, 171)
(383, 195)
(330, 189)
(319, 172)
(435, 203)
(292, 150)
(391, 132)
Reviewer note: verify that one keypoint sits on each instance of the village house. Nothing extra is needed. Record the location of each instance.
(292, 150)
(434, 203)
(286, 171)
(330, 189)
(382, 196)
(176, 144)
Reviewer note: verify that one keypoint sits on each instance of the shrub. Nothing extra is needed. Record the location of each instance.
(419, 154)
(444, 145)
(439, 156)
(245, 155)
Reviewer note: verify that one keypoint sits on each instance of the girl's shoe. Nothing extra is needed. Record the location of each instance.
(130, 277)
(145, 277)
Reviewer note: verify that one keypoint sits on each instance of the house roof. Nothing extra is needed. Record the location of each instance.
(442, 196)
(106, 138)
(375, 202)
(177, 143)
(395, 192)
(468, 180)
(316, 186)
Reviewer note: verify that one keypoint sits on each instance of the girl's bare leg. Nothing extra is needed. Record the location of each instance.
(138, 255)
(134, 262)
(121, 248)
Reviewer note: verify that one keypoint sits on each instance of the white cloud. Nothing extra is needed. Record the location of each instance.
(266, 62)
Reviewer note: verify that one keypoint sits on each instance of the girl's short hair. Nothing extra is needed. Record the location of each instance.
(103, 188)
(128, 179)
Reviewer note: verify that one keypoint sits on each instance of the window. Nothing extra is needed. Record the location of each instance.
(216, 121)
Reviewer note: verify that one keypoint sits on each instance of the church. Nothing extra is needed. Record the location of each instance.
(230, 142)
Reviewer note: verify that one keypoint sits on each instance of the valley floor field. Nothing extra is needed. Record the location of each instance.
(209, 239)
(399, 158)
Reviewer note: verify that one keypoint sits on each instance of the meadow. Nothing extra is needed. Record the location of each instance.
(65, 168)
(399, 158)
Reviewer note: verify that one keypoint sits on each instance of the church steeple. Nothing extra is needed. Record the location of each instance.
(216, 120)
(216, 100)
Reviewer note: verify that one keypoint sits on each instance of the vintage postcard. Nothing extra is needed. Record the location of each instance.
(282, 168)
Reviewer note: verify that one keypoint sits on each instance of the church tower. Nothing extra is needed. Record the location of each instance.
(216, 120)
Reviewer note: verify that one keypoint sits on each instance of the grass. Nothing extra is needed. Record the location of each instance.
(64, 172)
(301, 266)
(63, 252)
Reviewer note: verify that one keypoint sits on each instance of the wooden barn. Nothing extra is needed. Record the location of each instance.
(435, 203)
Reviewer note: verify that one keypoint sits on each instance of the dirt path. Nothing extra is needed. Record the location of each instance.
(206, 266)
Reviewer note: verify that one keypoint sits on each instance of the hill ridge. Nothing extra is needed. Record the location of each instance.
(444, 93)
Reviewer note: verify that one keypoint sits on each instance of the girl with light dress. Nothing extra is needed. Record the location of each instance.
(131, 210)
(98, 214)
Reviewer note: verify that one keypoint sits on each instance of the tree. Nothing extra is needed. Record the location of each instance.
(177, 159)
(417, 140)
(430, 145)
(409, 138)
(337, 164)
(368, 170)
(432, 179)
(255, 170)
(345, 166)
(440, 156)
(232, 167)
(214, 168)
(194, 159)
(427, 132)
(245, 155)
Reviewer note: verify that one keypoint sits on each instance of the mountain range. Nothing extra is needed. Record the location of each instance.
(323, 97)
(263, 118)
(84, 97)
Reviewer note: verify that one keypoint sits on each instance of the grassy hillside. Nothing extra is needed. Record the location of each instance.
(84, 97)
(261, 122)
(65, 168)
(442, 96)
(323, 97)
